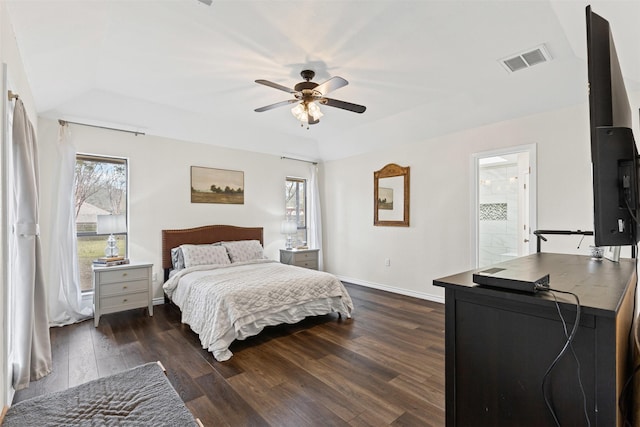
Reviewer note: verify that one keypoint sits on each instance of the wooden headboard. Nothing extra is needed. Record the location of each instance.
(202, 235)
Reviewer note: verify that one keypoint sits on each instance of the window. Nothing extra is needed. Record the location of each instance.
(296, 206)
(101, 185)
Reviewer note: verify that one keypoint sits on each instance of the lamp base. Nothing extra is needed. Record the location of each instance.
(112, 249)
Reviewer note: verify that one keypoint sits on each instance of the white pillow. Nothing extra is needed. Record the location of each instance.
(244, 250)
(204, 255)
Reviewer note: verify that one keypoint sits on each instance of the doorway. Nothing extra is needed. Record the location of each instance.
(504, 214)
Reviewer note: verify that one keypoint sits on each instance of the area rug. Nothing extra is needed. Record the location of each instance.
(142, 396)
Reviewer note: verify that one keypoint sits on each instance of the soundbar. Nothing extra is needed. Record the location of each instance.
(513, 280)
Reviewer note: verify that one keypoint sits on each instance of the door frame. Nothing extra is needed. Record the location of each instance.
(6, 309)
(475, 197)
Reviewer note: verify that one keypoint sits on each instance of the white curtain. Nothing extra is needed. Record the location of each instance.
(65, 298)
(315, 216)
(32, 346)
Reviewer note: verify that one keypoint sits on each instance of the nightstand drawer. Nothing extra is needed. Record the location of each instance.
(124, 287)
(313, 264)
(124, 275)
(124, 301)
(306, 258)
(299, 257)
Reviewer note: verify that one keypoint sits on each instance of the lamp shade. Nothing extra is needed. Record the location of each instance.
(109, 224)
(288, 227)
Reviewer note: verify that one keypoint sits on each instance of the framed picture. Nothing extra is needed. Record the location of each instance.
(217, 186)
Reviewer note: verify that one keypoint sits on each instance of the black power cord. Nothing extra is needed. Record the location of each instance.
(567, 345)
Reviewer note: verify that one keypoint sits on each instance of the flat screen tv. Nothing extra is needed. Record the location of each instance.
(614, 155)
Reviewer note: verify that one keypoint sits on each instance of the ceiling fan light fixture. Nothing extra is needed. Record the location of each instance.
(303, 110)
(299, 112)
(314, 110)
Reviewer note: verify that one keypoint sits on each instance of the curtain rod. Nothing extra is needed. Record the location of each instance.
(298, 160)
(64, 122)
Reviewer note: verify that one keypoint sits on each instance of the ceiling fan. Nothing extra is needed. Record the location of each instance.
(307, 95)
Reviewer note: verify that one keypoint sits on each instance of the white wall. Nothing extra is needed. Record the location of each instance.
(159, 186)
(438, 242)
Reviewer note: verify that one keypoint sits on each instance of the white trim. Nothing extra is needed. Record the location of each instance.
(533, 193)
(393, 289)
(87, 296)
(127, 163)
(8, 317)
(7, 391)
(158, 301)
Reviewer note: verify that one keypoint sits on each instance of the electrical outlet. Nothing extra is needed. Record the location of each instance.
(154, 277)
(387, 262)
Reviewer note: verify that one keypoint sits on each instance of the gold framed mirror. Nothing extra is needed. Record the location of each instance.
(391, 196)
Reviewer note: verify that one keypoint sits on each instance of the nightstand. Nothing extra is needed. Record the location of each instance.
(307, 258)
(121, 287)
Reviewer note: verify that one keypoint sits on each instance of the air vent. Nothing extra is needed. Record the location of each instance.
(526, 59)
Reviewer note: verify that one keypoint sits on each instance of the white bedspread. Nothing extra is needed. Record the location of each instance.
(225, 303)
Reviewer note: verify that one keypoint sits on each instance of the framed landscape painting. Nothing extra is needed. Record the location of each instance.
(210, 185)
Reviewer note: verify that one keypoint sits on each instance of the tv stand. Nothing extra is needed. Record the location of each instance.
(499, 344)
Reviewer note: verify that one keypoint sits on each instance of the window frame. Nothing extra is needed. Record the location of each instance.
(114, 160)
(296, 215)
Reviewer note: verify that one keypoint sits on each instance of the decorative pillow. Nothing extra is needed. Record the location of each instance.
(244, 250)
(204, 255)
(177, 258)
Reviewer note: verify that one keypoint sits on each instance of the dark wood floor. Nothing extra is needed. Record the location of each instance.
(385, 366)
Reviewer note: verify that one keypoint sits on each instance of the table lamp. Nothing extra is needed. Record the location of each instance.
(109, 224)
(288, 228)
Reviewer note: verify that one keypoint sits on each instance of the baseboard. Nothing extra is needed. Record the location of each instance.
(420, 295)
(392, 289)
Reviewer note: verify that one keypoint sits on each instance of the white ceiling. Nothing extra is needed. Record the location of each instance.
(185, 70)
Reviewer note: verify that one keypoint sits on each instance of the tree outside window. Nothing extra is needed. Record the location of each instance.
(296, 206)
(101, 185)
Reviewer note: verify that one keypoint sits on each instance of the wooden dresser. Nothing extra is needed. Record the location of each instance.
(307, 258)
(500, 343)
(121, 287)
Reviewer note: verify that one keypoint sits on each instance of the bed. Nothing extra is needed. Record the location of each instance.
(227, 290)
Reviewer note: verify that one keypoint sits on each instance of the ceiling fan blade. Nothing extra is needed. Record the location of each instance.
(276, 105)
(275, 86)
(343, 104)
(311, 120)
(332, 84)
